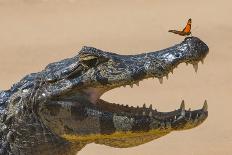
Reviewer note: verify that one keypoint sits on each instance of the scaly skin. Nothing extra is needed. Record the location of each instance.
(59, 110)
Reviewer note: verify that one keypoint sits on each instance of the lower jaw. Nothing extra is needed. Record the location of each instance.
(117, 136)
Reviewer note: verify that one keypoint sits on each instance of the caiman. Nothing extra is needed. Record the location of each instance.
(58, 110)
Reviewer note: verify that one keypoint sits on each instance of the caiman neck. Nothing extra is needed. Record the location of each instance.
(26, 134)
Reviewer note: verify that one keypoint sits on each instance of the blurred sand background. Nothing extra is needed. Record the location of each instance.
(34, 33)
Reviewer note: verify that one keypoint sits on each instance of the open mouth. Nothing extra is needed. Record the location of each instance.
(94, 72)
(178, 119)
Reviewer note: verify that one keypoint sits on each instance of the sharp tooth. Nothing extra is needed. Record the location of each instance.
(161, 80)
(137, 83)
(167, 76)
(182, 108)
(195, 66)
(202, 61)
(182, 105)
(175, 117)
(205, 106)
(144, 105)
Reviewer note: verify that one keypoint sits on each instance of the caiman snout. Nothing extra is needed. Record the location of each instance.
(198, 50)
(159, 64)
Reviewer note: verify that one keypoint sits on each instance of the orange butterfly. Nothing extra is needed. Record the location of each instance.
(186, 31)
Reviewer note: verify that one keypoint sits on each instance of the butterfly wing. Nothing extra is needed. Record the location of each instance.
(187, 28)
(186, 31)
(176, 32)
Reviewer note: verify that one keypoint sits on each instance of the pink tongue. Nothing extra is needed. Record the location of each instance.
(94, 94)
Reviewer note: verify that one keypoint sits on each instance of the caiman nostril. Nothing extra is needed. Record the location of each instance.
(177, 55)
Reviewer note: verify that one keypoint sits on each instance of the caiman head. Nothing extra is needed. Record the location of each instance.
(65, 96)
(71, 91)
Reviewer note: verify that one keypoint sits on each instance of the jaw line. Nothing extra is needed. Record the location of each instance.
(94, 93)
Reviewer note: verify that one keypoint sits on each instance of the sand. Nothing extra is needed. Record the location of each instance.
(34, 33)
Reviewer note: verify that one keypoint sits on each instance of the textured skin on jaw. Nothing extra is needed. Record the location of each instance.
(59, 110)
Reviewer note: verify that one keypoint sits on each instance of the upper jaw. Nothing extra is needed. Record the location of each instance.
(156, 64)
(130, 70)
(125, 70)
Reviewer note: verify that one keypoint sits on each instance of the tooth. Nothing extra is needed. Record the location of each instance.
(182, 108)
(182, 105)
(167, 76)
(150, 107)
(137, 83)
(144, 105)
(175, 117)
(161, 80)
(205, 106)
(202, 61)
(195, 66)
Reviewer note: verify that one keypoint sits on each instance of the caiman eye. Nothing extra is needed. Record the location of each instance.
(91, 60)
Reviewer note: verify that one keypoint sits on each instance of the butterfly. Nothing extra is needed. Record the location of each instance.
(186, 31)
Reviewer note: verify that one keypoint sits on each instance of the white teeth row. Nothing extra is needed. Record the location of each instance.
(195, 66)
